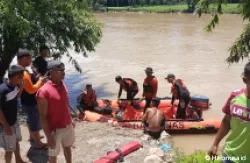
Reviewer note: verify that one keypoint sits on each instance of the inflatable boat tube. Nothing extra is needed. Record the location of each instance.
(112, 157)
(172, 125)
(179, 126)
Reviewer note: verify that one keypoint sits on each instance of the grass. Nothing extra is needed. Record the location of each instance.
(229, 8)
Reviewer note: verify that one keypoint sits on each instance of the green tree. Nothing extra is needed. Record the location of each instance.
(241, 47)
(61, 24)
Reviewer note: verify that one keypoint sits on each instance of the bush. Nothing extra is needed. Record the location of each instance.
(196, 157)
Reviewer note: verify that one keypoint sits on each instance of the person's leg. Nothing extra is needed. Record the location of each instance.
(147, 105)
(134, 93)
(181, 111)
(8, 142)
(35, 127)
(18, 139)
(53, 153)
(67, 142)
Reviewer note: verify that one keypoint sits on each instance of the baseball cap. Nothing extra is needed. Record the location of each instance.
(55, 65)
(23, 53)
(148, 69)
(170, 76)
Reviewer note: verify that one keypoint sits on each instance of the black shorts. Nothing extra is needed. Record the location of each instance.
(155, 135)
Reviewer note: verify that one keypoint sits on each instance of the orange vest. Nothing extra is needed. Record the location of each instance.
(174, 90)
(88, 100)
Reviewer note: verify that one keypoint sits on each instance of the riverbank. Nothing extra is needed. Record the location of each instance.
(94, 140)
(229, 9)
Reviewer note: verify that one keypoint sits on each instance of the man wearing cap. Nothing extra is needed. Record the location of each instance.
(10, 133)
(53, 106)
(128, 85)
(236, 123)
(154, 120)
(150, 87)
(179, 92)
(28, 98)
(40, 63)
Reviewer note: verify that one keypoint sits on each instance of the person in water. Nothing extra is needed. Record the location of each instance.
(128, 85)
(179, 92)
(236, 123)
(150, 87)
(88, 101)
(154, 120)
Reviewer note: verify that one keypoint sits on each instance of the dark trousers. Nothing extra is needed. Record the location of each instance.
(131, 94)
(181, 110)
(147, 105)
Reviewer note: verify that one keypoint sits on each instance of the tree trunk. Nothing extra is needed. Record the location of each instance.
(9, 51)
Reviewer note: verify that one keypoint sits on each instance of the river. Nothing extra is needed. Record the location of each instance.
(169, 43)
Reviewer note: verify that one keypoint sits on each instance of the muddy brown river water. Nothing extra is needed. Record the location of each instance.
(175, 43)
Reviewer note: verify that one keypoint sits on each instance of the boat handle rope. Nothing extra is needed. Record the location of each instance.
(120, 153)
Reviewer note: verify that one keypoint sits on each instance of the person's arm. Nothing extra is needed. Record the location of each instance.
(42, 104)
(145, 116)
(223, 130)
(3, 121)
(28, 85)
(155, 86)
(120, 92)
(20, 89)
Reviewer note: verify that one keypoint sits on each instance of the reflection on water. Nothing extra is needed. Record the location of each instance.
(174, 43)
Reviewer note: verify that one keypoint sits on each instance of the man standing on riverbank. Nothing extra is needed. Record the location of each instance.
(40, 63)
(54, 113)
(150, 87)
(237, 121)
(10, 133)
(28, 98)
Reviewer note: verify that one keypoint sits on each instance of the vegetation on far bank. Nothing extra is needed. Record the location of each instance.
(231, 8)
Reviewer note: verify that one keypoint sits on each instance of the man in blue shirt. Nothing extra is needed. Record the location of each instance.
(10, 133)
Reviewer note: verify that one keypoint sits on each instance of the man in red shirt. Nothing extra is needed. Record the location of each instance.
(54, 113)
(150, 87)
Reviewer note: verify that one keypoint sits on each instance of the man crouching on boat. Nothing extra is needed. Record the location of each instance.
(154, 120)
(88, 101)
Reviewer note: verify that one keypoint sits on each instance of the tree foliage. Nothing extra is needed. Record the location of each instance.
(61, 24)
(241, 47)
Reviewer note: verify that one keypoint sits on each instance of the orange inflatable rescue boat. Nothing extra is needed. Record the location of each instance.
(126, 115)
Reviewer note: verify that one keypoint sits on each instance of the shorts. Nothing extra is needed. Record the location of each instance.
(8, 142)
(64, 137)
(33, 117)
(155, 135)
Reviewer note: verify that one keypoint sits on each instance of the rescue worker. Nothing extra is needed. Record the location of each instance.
(154, 120)
(88, 101)
(179, 92)
(150, 87)
(128, 85)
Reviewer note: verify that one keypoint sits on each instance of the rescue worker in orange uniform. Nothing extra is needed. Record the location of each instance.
(88, 101)
(179, 92)
(150, 87)
(128, 85)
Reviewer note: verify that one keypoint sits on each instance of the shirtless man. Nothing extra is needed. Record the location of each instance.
(154, 120)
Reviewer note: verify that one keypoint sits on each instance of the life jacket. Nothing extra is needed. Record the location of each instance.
(88, 100)
(147, 85)
(130, 83)
(174, 90)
